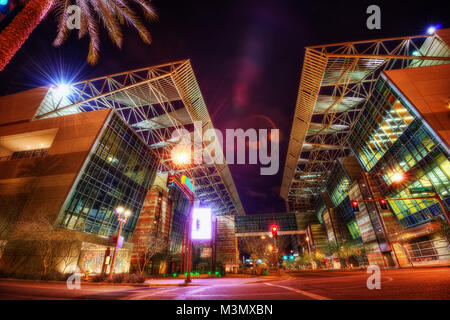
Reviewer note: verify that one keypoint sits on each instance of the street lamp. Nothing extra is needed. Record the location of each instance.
(181, 155)
(397, 177)
(122, 216)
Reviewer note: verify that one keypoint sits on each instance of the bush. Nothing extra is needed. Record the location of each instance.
(54, 276)
(99, 278)
(136, 278)
(118, 278)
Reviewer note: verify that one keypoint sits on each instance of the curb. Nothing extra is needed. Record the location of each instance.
(107, 284)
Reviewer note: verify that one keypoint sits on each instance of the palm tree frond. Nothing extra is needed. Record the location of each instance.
(62, 16)
(110, 21)
(93, 30)
(149, 12)
(83, 26)
(131, 18)
(94, 53)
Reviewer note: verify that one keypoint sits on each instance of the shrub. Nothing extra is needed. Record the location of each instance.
(99, 278)
(118, 278)
(136, 278)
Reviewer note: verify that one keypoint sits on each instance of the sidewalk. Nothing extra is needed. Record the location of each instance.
(210, 281)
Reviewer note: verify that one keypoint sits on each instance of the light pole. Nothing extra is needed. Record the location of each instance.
(181, 156)
(275, 235)
(189, 243)
(122, 216)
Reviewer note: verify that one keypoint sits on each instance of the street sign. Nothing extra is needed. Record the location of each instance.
(420, 190)
(188, 184)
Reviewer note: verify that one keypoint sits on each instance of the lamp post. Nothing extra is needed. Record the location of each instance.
(122, 216)
(181, 156)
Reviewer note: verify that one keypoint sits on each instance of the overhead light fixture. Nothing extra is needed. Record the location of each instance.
(432, 29)
(62, 90)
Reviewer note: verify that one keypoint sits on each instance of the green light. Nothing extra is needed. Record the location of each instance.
(209, 272)
(185, 274)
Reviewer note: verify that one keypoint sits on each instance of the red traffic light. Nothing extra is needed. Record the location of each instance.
(355, 206)
(274, 231)
(383, 204)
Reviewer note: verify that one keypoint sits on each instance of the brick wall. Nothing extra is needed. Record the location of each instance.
(226, 241)
(154, 219)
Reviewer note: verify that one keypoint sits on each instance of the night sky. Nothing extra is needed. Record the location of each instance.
(247, 57)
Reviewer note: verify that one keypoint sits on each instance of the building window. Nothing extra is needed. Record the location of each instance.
(119, 173)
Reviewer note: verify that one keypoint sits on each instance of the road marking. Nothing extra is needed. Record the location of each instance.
(306, 293)
(143, 295)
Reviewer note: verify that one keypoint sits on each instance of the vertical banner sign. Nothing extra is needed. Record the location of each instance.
(201, 224)
(188, 184)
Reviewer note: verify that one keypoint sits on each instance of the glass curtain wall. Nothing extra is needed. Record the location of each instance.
(119, 173)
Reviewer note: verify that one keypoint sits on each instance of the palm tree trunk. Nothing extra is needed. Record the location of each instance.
(17, 32)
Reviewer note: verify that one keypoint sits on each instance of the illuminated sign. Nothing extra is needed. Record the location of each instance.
(201, 224)
(186, 182)
(170, 180)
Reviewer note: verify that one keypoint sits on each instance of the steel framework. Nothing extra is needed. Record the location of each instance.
(155, 101)
(336, 82)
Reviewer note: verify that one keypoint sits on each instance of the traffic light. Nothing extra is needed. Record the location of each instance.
(355, 206)
(170, 180)
(383, 204)
(274, 231)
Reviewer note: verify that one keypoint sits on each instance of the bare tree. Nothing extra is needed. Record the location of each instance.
(51, 245)
(256, 248)
(69, 252)
(11, 207)
(156, 243)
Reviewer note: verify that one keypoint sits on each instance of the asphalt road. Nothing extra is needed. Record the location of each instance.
(430, 283)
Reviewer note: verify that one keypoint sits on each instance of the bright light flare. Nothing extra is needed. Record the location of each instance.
(62, 90)
(431, 29)
(181, 156)
(397, 177)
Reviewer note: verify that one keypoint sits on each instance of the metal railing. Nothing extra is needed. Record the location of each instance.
(430, 250)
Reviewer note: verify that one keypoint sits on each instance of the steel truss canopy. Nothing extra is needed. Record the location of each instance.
(336, 82)
(155, 101)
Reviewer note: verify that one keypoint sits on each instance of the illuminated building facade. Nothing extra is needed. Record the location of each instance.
(67, 175)
(74, 153)
(367, 112)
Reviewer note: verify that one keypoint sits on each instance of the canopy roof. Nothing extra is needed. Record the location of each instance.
(155, 101)
(336, 83)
